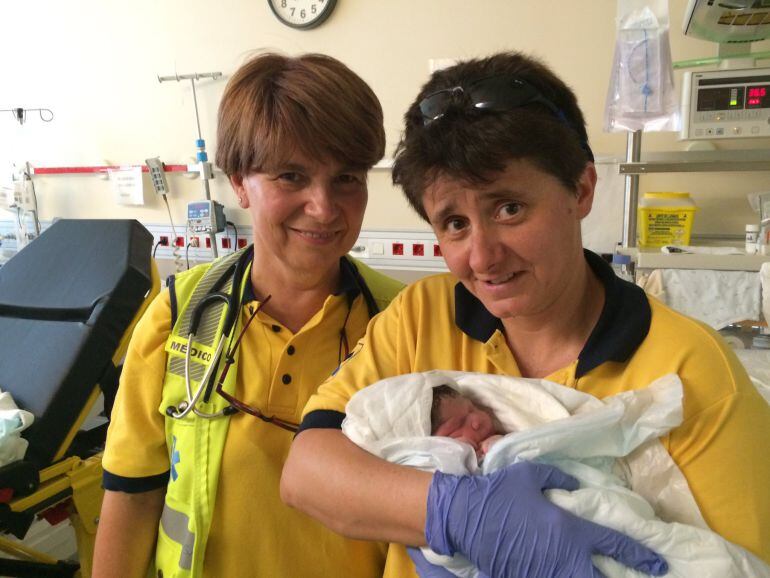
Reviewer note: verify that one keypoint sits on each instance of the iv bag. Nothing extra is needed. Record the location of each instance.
(641, 94)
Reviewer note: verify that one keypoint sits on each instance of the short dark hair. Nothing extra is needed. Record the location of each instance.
(275, 105)
(440, 392)
(472, 145)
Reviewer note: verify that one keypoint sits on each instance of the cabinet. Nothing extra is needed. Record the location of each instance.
(684, 162)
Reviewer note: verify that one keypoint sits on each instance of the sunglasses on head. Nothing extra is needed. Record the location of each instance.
(492, 93)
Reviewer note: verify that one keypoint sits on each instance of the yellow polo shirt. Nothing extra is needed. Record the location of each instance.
(721, 447)
(253, 534)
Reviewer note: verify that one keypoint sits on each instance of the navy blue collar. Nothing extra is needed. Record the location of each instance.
(348, 284)
(621, 328)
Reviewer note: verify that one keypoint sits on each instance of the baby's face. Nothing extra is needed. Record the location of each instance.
(462, 420)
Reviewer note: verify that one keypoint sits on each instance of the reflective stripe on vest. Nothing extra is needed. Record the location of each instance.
(187, 511)
(175, 525)
(212, 317)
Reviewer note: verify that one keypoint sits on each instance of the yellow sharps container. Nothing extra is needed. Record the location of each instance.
(665, 219)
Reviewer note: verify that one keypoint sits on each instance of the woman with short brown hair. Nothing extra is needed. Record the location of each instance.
(194, 486)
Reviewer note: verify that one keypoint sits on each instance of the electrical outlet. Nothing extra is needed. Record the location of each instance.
(415, 250)
(199, 249)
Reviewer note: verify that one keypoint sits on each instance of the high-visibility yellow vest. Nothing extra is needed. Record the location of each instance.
(192, 487)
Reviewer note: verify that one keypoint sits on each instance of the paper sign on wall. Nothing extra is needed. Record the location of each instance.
(127, 186)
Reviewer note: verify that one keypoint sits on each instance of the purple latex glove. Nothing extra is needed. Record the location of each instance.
(504, 524)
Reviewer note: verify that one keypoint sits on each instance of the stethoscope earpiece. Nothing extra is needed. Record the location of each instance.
(177, 412)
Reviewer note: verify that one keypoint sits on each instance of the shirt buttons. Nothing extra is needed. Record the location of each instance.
(290, 350)
(286, 379)
(276, 328)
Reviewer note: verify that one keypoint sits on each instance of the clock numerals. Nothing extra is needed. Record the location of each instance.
(302, 14)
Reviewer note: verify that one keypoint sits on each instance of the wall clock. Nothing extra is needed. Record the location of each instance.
(302, 14)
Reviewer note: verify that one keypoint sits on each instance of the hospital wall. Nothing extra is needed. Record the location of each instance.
(95, 65)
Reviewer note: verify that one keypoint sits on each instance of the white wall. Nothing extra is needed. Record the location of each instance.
(95, 65)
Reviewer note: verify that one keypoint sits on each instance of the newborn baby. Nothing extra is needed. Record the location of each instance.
(646, 496)
(455, 416)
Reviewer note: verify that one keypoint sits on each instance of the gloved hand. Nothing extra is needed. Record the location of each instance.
(504, 524)
(424, 568)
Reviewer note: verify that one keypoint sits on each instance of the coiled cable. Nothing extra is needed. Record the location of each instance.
(175, 249)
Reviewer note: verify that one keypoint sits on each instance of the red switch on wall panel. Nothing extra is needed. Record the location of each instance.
(164, 242)
(242, 243)
(208, 242)
(179, 242)
(436, 251)
(398, 248)
(226, 242)
(418, 249)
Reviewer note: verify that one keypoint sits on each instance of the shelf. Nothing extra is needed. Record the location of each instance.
(700, 161)
(657, 260)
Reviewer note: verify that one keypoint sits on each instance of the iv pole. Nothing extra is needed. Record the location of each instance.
(22, 178)
(204, 166)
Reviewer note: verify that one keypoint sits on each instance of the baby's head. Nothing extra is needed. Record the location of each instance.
(454, 415)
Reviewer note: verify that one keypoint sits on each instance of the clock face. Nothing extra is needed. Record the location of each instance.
(302, 14)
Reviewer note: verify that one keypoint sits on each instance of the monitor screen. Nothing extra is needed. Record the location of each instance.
(722, 98)
(758, 96)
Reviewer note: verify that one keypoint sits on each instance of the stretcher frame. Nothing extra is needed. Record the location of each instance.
(71, 482)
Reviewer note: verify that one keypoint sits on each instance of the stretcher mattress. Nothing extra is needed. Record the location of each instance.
(66, 300)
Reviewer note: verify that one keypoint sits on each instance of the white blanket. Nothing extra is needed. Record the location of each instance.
(12, 422)
(643, 495)
(718, 298)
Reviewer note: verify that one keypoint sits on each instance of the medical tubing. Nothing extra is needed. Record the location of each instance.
(197, 314)
(234, 303)
(195, 320)
(646, 85)
(193, 400)
(20, 222)
(174, 247)
(232, 327)
(34, 199)
(207, 377)
(235, 242)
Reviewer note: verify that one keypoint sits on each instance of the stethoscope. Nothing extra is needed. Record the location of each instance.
(234, 301)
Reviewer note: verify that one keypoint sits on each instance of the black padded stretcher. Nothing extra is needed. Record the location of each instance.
(68, 302)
